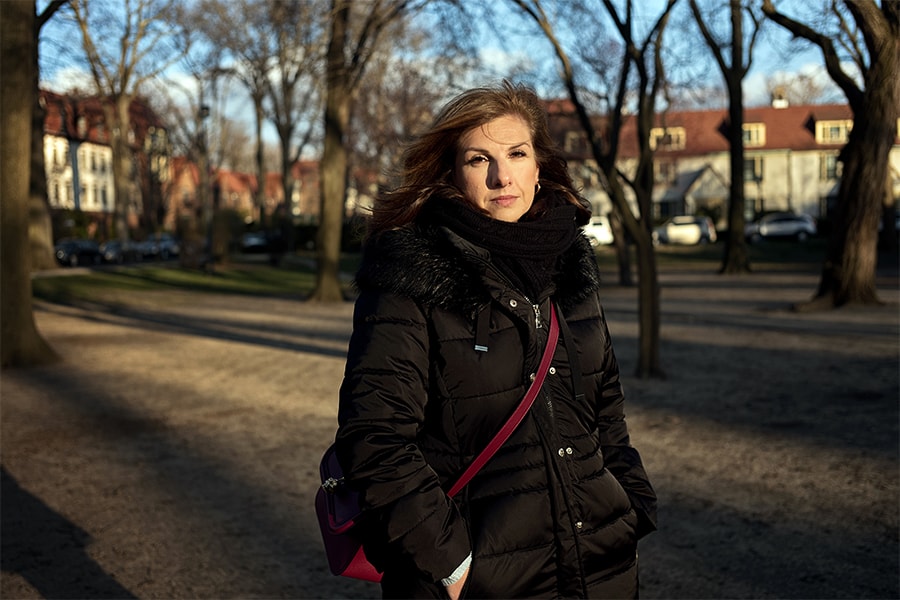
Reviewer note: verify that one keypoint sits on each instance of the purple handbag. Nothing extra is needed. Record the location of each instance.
(337, 507)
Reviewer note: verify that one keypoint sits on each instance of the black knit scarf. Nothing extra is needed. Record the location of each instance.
(525, 252)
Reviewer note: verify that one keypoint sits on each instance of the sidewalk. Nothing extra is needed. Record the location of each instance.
(174, 452)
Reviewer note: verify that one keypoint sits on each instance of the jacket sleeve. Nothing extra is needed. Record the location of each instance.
(381, 412)
(621, 458)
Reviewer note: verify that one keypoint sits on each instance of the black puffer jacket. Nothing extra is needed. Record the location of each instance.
(559, 509)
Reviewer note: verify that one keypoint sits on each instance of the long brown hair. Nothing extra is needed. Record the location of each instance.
(428, 161)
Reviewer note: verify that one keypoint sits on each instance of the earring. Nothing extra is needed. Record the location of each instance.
(537, 187)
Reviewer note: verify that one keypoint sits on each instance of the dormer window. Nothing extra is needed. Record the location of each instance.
(754, 135)
(667, 138)
(833, 132)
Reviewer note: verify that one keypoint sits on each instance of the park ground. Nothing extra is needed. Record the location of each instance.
(173, 453)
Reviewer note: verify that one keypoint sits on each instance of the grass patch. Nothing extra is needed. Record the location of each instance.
(249, 279)
(763, 256)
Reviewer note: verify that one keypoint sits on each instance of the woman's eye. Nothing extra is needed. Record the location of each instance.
(479, 158)
(518, 154)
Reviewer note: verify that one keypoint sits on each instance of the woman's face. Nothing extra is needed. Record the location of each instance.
(496, 167)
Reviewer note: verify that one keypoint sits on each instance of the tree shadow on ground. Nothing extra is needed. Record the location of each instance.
(48, 550)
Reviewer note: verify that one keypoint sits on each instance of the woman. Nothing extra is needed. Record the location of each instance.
(456, 282)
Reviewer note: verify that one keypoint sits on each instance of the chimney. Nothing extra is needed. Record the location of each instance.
(779, 97)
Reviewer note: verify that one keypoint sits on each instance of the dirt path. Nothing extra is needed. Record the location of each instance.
(174, 453)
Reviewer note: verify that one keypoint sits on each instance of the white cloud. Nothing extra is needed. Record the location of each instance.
(66, 79)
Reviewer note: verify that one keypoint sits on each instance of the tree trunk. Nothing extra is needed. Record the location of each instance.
(648, 309)
(736, 258)
(20, 343)
(848, 274)
(119, 123)
(260, 162)
(333, 168)
(620, 242)
(40, 228)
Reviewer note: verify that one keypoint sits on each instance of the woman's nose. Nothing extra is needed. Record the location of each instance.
(500, 175)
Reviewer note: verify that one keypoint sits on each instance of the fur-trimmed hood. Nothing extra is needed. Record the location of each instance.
(435, 267)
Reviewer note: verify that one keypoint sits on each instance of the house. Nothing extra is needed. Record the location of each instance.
(790, 159)
(78, 159)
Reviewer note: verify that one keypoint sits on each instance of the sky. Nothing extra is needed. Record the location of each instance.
(776, 57)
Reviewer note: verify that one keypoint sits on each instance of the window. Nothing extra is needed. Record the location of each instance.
(833, 132)
(668, 138)
(754, 134)
(576, 142)
(753, 169)
(664, 172)
(829, 167)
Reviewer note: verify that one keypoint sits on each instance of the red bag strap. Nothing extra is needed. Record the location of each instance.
(520, 412)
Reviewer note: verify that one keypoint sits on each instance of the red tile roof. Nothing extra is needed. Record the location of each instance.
(789, 128)
(82, 118)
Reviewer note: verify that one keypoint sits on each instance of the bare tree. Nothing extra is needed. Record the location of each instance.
(796, 88)
(126, 45)
(355, 31)
(294, 85)
(645, 57)
(736, 258)
(848, 275)
(402, 92)
(40, 228)
(20, 342)
(240, 27)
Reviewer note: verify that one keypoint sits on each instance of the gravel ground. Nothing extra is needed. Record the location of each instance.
(174, 452)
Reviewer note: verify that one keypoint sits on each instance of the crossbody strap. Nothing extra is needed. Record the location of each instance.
(520, 412)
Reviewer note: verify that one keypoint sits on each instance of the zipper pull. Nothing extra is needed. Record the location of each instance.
(537, 316)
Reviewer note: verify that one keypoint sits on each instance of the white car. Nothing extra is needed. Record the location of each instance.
(686, 230)
(598, 231)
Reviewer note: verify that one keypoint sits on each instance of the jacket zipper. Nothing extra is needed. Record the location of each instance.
(537, 315)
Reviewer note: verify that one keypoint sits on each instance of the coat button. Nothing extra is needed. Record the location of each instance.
(562, 452)
(532, 377)
(569, 450)
(513, 303)
(579, 525)
(552, 370)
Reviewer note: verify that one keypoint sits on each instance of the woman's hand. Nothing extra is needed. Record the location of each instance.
(455, 589)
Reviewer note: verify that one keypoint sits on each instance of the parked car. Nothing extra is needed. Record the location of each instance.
(119, 252)
(686, 230)
(598, 231)
(781, 225)
(254, 242)
(161, 246)
(74, 252)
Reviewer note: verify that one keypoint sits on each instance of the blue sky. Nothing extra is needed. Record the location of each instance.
(61, 64)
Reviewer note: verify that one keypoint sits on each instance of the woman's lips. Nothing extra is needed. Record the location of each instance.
(504, 201)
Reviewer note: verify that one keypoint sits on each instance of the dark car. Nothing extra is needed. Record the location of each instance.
(160, 246)
(119, 252)
(781, 226)
(254, 242)
(72, 253)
